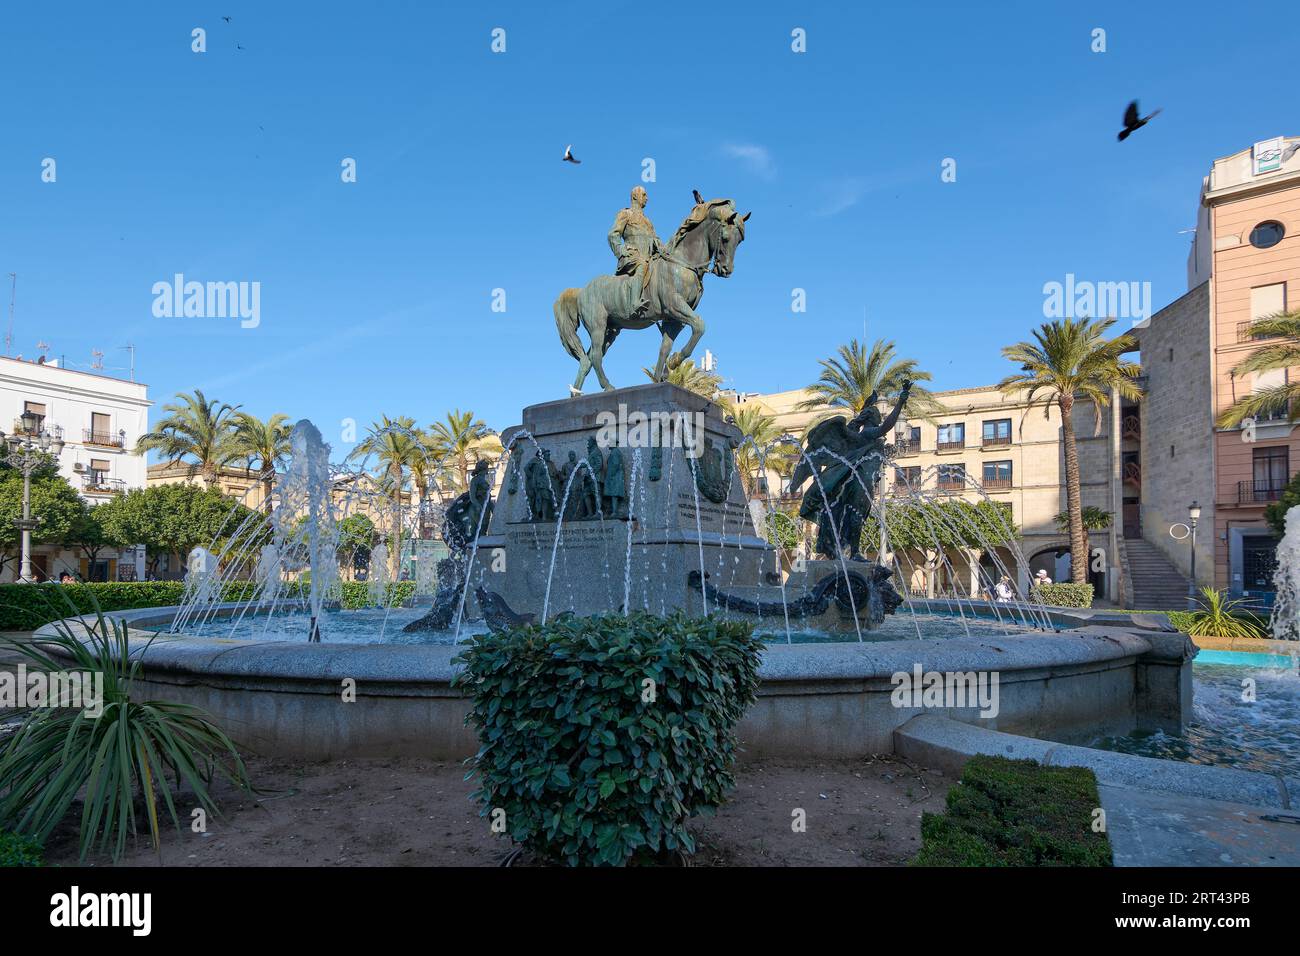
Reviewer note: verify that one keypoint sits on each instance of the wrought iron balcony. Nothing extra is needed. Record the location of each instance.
(991, 441)
(906, 446)
(96, 484)
(997, 484)
(950, 445)
(1244, 333)
(103, 439)
(1260, 491)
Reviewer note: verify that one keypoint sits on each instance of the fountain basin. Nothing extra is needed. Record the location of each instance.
(825, 700)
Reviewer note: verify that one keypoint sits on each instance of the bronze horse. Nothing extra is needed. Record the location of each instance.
(705, 242)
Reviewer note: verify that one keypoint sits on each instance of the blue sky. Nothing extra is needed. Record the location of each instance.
(376, 295)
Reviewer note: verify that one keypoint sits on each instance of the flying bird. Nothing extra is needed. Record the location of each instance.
(227, 19)
(1132, 122)
(698, 198)
(569, 157)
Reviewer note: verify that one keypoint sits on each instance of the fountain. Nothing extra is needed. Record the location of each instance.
(1286, 579)
(631, 500)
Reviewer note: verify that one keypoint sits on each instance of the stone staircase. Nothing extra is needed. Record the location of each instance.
(1157, 584)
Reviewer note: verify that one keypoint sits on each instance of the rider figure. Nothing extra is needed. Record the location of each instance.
(633, 241)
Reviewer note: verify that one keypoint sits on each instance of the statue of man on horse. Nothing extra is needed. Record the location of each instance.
(655, 283)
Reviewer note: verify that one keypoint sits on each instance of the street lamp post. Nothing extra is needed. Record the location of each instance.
(27, 452)
(1193, 516)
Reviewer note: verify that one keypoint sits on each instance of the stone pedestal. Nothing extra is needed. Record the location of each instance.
(684, 509)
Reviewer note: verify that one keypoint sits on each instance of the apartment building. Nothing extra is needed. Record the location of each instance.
(100, 418)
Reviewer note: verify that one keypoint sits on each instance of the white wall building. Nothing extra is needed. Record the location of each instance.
(101, 418)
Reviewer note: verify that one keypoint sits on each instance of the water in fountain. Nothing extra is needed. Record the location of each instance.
(1286, 581)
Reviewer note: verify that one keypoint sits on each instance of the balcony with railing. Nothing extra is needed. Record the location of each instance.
(995, 441)
(103, 439)
(1246, 333)
(996, 484)
(906, 446)
(954, 445)
(952, 483)
(1260, 491)
(95, 483)
(1131, 427)
(27, 427)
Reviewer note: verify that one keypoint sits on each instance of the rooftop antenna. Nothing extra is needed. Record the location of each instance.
(43, 348)
(96, 358)
(130, 348)
(13, 294)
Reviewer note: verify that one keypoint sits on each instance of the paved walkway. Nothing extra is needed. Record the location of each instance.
(1162, 829)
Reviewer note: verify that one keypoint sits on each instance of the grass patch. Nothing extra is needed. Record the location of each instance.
(1016, 813)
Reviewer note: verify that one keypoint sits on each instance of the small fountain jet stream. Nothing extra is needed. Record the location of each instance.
(631, 520)
(1285, 619)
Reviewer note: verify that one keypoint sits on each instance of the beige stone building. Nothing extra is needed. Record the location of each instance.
(989, 445)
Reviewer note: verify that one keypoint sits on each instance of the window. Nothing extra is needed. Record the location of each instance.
(33, 408)
(907, 440)
(1267, 234)
(952, 477)
(908, 477)
(997, 474)
(99, 471)
(997, 432)
(1273, 378)
(952, 435)
(1270, 469)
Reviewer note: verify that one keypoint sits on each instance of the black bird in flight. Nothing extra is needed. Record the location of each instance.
(569, 157)
(1131, 121)
(227, 19)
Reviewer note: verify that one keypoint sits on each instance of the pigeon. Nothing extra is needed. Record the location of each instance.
(569, 157)
(1131, 121)
(227, 19)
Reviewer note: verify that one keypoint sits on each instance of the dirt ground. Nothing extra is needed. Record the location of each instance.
(417, 813)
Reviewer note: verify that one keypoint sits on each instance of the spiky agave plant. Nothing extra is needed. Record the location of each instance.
(130, 751)
(1218, 617)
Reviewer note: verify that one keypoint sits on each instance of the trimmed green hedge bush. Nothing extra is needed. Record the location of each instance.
(601, 736)
(25, 607)
(1062, 595)
(18, 850)
(1016, 813)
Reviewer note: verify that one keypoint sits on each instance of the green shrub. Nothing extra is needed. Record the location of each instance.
(18, 850)
(25, 607)
(1016, 813)
(590, 761)
(131, 749)
(356, 594)
(1062, 595)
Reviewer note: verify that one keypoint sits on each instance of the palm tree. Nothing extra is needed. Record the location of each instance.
(1270, 358)
(1071, 359)
(264, 442)
(196, 428)
(847, 381)
(754, 424)
(396, 445)
(691, 377)
(456, 438)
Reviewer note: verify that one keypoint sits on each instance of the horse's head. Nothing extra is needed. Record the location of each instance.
(730, 233)
(717, 226)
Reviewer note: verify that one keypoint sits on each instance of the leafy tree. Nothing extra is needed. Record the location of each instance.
(197, 429)
(87, 534)
(172, 519)
(1071, 359)
(952, 523)
(264, 442)
(54, 503)
(1281, 354)
(1275, 514)
(396, 446)
(848, 380)
(691, 377)
(357, 536)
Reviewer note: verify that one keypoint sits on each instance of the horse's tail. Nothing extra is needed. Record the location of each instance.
(566, 321)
